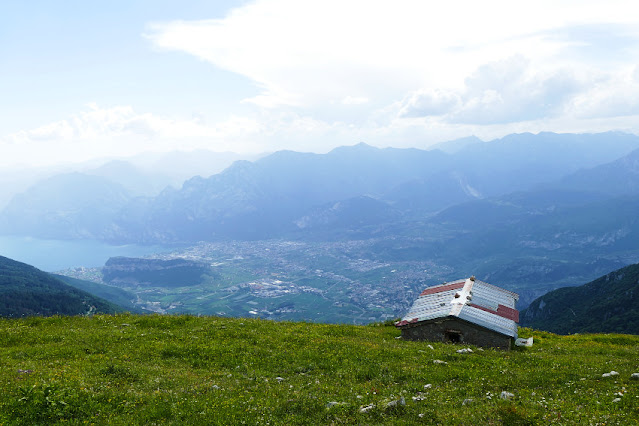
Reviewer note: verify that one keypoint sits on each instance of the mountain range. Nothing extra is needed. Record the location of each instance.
(528, 212)
(287, 192)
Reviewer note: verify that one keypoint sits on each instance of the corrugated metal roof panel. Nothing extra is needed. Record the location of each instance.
(431, 306)
(443, 287)
(428, 313)
(502, 311)
(489, 291)
(506, 312)
(489, 320)
(491, 296)
(484, 302)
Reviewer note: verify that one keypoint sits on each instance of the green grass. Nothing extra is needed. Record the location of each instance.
(129, 369)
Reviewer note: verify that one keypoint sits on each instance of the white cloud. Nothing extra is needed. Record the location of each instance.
(426, 102)
(119, 130)
(409, 73)
(314, 54)
(617, 95)
(500, 92)
(355, 100)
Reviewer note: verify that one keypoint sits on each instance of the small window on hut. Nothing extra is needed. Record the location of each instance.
(453, 336)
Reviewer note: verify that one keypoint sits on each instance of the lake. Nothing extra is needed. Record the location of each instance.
(55, 255)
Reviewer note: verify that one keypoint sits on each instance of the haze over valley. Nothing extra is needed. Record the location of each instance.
(349, 236)
(238, 159)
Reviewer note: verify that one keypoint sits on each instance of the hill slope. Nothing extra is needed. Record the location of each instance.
(142, 370)
(608, 304)
(25, 290)
(115, 295)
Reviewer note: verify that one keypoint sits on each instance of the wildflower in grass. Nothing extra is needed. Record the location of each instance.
(506, 395)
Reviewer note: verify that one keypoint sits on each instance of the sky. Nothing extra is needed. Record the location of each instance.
(82, 80)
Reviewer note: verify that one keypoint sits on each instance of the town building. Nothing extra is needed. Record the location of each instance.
(464, 311)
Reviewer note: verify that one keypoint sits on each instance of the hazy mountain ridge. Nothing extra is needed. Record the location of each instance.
(266, 198)
(145, 174)
(615, 178)
(136, 181)
(67, 206)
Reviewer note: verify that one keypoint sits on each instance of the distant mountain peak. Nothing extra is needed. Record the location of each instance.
(359, 147)
(456, 145)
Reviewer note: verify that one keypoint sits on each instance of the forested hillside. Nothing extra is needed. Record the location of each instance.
(609, 304)
(25, 290)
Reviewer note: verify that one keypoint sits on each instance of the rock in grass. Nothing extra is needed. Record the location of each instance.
(616, 400)
(333, 404)
(506, 395)
(465, 351)
(439, 361)
(396, 403)
(612, 373)
(467, 401)
(419, 397)
(634, 376)
(366, 408)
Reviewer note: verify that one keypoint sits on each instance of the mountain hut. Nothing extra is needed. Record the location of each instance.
(463, 311)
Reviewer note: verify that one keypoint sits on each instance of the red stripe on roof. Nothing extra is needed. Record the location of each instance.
(502, 311)
(506, 312)
(442, 288)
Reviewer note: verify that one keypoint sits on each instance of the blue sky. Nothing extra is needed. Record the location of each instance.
(81, 80)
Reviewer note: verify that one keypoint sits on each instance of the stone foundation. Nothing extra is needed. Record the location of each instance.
(455, 330)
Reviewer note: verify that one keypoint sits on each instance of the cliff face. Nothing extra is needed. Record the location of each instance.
(607, 304)
(156, 272)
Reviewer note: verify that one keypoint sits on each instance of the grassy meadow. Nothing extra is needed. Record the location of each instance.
(143, 370)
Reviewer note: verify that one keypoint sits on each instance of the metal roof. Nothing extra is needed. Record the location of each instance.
(471, 300)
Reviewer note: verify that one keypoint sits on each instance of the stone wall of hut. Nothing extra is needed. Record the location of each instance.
(455, 330)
